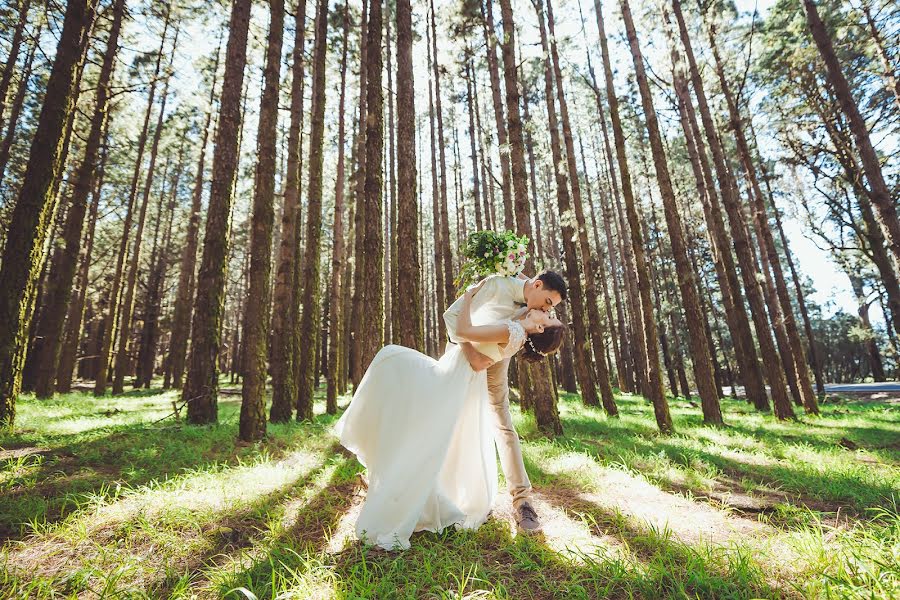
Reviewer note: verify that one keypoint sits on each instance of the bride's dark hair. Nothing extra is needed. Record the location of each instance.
(540, 345)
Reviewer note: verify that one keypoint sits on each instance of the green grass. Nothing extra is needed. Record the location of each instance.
(99, 497)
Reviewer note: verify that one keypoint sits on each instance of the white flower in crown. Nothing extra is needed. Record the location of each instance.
(487, 254)
(510, 244)
(521, 248)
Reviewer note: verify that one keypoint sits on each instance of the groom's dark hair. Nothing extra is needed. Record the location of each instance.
(554, 281)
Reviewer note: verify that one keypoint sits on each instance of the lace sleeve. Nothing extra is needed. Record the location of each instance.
(517, 337)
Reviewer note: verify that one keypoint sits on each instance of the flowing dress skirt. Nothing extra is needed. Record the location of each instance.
(422, 429)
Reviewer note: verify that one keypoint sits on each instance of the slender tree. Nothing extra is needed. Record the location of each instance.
(311, 298)
(409, 288)
(700, 353)
(252, 424)
(201, 386)
(61, 278)
(371, 328)
(648, 337)
(31, 219)
(123, 354)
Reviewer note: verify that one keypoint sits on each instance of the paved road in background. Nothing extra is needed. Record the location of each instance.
(863, 388)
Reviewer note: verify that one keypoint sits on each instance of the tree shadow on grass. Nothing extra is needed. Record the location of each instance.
(96, 465)
(821, 490)
(308, 535)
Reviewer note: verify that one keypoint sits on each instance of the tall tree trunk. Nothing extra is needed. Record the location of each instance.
(76, 310)
(184, 297)
(410, 333)
(742, 248)
(583, 369)
(473, 138)
(878, 190)
(360, 264)
(490, 36)
(283, 384)
(392, 319)
(446, 257)
(252, 425)
(723, 261)
(31, 219)
(311, 299)
(337, 255)
(371, 329)
(123, 356)
(59, 290)
(202, 383)
(700, 353)
(597, 333)
(534, 379)
(437, 230)
(648, 337)
(111, 317)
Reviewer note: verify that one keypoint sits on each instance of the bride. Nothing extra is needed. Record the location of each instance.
(422, 430)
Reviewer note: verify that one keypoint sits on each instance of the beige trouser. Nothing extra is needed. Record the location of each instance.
(505, 434)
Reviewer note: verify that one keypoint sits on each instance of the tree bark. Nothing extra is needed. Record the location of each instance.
(252, 424)
(13, 57)
(371, 328)
(407, 303)
(700, 353)
(597, 332)
(59, 291)
(30, 222)
(534, 378)
(311, 299)
(111, 317)
(490, 36)
(648, 337)
(201, 386)
(123, 356)
(728, 190)
(184, 297)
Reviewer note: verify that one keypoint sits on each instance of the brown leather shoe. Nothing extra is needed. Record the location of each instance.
(527, 519)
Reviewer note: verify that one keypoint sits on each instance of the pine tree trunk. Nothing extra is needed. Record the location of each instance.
(476, 183)
(648, 337)
(490, 36)
(360, 264)
(111, 317)
(201, 386)
(890, 78)
(311, 299)
(534, 379)
(76, 310)
(252, 424)
(407, 304)
(123, 355)
(282, 368)
(742, 248)
(581, 349)
(61, 278)
(30, 222)
(371, 328)
(184, 297)
(337, 255)
(878, 190)
(597, 332)
(437, 231)
(700, 352)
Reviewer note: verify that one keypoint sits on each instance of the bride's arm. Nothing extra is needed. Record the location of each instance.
(491, 334)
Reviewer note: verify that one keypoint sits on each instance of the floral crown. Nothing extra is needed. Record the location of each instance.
(535, 350)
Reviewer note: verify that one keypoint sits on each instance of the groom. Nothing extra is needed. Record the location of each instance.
(498, 299)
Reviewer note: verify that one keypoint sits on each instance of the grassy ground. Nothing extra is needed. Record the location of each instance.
(97, 499)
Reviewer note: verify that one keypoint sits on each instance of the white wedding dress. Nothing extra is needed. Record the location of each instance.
(423, 430)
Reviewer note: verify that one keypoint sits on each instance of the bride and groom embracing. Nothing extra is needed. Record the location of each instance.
(425, 429)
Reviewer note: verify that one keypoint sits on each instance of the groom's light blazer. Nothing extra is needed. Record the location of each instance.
(498, 299)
